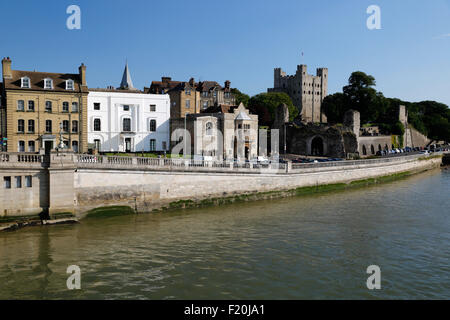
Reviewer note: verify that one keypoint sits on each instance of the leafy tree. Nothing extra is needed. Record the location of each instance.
(270, 101)
(334, 107)
(240, 97)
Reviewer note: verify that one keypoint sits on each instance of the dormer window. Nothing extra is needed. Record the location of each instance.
(70, 85)
(25, 82)
(48, 83)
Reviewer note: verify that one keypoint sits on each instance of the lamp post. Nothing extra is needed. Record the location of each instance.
(184, 137)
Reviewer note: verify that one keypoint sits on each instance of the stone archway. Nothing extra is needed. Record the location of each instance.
(317, 148)
(372, 149)
(364, 150)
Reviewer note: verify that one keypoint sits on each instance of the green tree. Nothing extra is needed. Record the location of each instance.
(334, 107)
(360, 95)
(270, 101)
(240, 97)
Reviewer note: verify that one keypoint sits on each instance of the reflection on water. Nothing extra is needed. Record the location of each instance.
(308, 247)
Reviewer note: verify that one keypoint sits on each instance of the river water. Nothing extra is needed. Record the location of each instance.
(310, 247)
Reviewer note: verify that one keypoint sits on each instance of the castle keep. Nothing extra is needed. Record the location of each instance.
(306, 91)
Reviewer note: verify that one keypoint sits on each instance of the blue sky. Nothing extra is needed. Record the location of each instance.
(239, 40)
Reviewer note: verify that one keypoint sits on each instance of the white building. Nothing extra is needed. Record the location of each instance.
(127, 120)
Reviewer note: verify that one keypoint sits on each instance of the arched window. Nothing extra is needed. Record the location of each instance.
(372, 149)
(97, 125)
(152, 125)
(209, 127)
(364, 150)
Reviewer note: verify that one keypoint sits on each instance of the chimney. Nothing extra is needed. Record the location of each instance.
(82, 71)
(227, 84)
(166, 79)
(192, 82)
(6, 68)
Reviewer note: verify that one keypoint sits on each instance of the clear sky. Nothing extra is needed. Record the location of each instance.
(237, 40)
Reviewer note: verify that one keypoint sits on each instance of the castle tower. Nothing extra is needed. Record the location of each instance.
(352, 120)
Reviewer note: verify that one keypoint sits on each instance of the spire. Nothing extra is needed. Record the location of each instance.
(126, 83)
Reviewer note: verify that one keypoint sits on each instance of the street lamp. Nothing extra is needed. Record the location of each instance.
(184, 137)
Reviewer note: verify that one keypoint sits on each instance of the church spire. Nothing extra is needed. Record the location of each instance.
(126, 83)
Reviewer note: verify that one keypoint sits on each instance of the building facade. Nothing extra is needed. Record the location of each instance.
(190, 97)
(39, 107)
(222, 132)
(127, 120)
(306, 91)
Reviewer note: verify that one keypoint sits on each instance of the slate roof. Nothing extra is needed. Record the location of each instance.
(37, 81)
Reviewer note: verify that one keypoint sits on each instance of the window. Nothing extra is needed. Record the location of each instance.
(25, 82)
(48, 126)
(69, 85)
(152, 145)
(30, 126)
(188, 92)
(29, 181)
(74, 126)
(31, 146)
(97, 144)
(126, 125)
(209, 127)
(188, 104)
(20, 125)
(97, 125)
(152, 107)
(204, 93)
(20, 105)
(215, 94)
(65, 106)
(75, 146)
(74, 106)
(7, 182)
(152, 125)
(48, 106)
(96, 105)
(164, 145)
(18, 181)
(21, 146)
(31, 105)
(48, 84)
(246, 127)
(205, 105)
(65, 125)
(227, 95)
(126, 108)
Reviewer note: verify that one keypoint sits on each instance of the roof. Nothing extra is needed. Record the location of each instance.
(243, 116)
(223, 108)
(167, 84)
(37, 81)
(127, 82)
(115, 90)
(208, 85)
(159, 86)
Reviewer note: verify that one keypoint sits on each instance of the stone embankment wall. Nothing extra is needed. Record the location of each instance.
(79, 183)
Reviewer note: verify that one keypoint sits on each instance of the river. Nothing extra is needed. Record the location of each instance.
(309, 247)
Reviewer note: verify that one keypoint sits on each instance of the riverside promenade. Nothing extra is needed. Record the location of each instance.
(74, 184)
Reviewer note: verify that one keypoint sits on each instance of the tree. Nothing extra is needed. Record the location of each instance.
(334, 107)
(360, 95)
(269, 101)
(240, 97)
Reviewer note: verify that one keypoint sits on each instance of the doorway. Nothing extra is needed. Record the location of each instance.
(48, 146)
(317, 146)
(127, 144)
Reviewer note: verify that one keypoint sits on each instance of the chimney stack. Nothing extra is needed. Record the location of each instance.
(6, 68)
(82, 71)
(192, 82)
(227, 84)
(166, 79)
